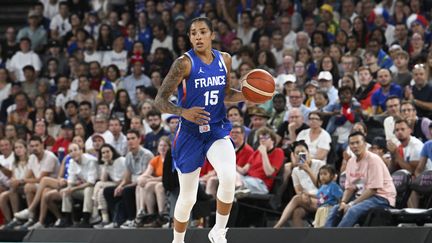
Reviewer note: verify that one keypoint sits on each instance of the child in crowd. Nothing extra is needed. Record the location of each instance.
(328, 195)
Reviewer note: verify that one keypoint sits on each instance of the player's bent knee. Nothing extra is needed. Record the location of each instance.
(183, 208)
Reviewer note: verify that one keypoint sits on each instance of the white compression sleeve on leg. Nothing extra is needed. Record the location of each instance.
(223, 159)
(188, 193)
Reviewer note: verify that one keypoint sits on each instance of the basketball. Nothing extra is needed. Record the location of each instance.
(258, 86)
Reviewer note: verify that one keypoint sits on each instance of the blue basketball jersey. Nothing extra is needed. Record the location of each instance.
(205, 87)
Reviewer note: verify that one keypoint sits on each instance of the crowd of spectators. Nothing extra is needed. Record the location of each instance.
(78, 121)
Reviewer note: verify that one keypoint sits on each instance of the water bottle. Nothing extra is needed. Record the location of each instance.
(61, 154)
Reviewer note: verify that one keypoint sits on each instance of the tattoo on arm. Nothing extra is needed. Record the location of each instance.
(175, 74)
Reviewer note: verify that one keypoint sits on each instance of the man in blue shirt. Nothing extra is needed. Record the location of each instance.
(388, 88)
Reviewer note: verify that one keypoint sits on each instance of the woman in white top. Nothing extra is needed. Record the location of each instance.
(305, 180)
(113, 168)
(317, 139)
(19, 166)
(52, 127)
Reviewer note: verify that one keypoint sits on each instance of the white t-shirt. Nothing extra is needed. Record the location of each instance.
(61, 25)
(7, 163)
(321, 142)
(85, 171)
(49, 163)
(290, 40)
(116, 170)
(61, 99)
(302, 178)
(166, 43)
(412, 150)
(20, 60)
(50, 10)
(96, 56)
(116, 58)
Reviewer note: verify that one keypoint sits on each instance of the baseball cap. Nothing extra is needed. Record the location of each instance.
(67, 125)
(288, 78)
(313, 83)
(326, 75)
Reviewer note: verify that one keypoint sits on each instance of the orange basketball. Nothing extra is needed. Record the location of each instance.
(258, 86)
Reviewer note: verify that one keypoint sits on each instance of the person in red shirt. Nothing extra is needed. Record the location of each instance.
(243, 153)
(263, 164)
(62, 143)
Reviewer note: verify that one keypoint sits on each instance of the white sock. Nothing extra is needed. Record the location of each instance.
(178, 237)
(221, 221)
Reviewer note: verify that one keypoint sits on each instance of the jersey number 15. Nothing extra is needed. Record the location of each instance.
(211, 97)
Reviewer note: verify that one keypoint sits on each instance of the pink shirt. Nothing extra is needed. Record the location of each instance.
(370, 173)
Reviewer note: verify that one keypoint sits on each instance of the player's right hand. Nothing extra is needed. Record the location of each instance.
(196, 115)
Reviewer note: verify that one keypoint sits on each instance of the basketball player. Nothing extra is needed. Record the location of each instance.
(202, 76)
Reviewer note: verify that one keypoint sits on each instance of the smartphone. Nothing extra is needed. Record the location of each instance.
(302, 158)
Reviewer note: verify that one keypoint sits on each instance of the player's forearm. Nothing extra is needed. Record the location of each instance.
(233, 95)
(166, 106)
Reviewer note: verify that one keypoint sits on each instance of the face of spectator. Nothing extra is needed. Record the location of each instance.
(235, 46)
(133, 141)
(384, 77)
(317, 53)
(95, 70)
(309, 26)
(103, 109)
(302, 40)
(402, 131)
(5, 147)
(137, 68)
(279, 104)
(108, 95)
(3, 75)
(327, 64)
(359, 128)
(296, 117)
(20, 150)
(111, 74)
(335, 53)
(85, 112)
(285, 25)
(10, 34)
(357, 145)
(365, 78)
(320, 100)
(37, 148)
(100, 125)
(295, 98)
(420, 77)
(118, 44)
(347, 8)
(352, 44)
(84, 83)
(266, 140)
(401, 32)
(393, 107)
(21, 102)
(401, 61)
(264, 43)
(98, 141)
(244, 69)
(10, 132)
(79, 130)
(173, 123)
(154, 122)
(67, 133)
(123, 98)
(75, 152)
(107, 154)
(299, 69)
(346, 81)
(156, 79)
(78, 140)
(310, 90)
(63, 10)
(234, 116)
(40, 128)
(49, 116)
(71, 110)
(315, 121)
(115, 127)
(258, 121)
(163, 147)
(417, 28)
(136, 124)
(408, 112)
(29, 75)
(237, 136)
(245, 19)
(345, 96)
(347, 64)
(374, 47)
